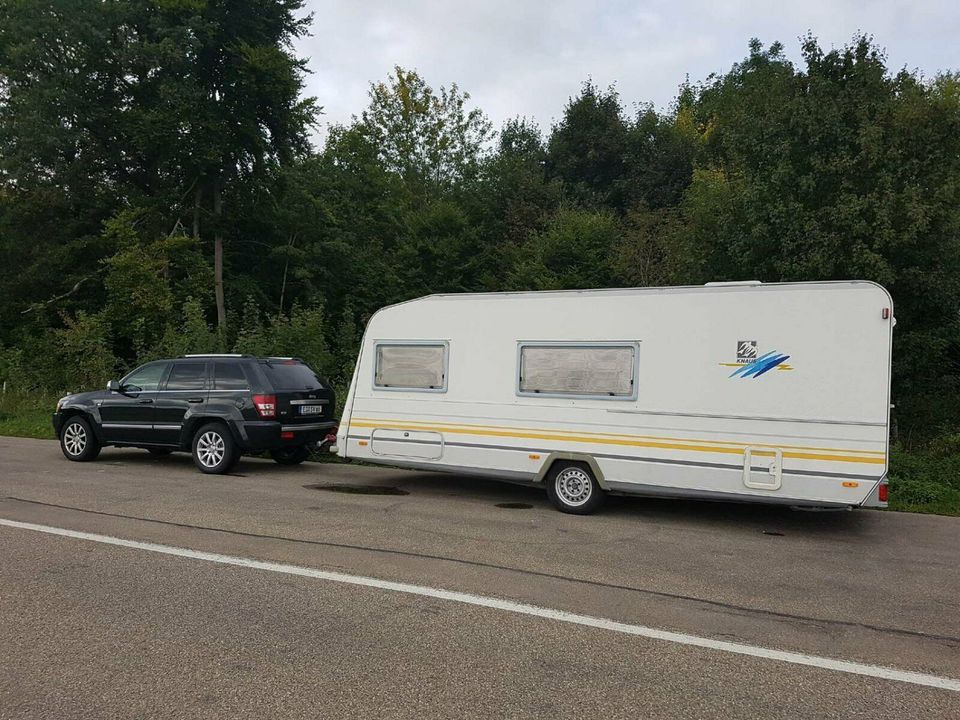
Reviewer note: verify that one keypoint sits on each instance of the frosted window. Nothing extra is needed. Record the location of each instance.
(577, 370)
(410, 366)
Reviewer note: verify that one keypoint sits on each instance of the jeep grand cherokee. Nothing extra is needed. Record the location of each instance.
(216, 406)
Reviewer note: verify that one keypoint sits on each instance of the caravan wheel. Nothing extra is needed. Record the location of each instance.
(572, 488)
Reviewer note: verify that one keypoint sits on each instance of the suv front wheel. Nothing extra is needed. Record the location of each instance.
(77, 440)
(214, 449)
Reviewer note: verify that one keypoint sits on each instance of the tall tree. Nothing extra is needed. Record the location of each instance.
(429, 138)
(588, 147)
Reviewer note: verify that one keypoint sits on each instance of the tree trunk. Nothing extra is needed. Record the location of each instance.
(218, 258)
(197, 195)
(286, 266)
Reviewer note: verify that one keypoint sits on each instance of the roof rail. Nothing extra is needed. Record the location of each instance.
(202, 355)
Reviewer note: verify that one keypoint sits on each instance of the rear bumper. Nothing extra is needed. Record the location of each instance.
(269, 435)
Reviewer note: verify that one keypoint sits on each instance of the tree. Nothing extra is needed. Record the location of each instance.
(428, 138)
(154, 104)
(588, 147)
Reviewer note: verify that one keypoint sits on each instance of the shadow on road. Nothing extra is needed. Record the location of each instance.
(773, 520)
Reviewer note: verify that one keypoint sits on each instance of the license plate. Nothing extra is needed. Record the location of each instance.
(311, 409)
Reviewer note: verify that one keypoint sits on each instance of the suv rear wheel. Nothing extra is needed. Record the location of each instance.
(214, 449)
(77, 440)
(290, 455)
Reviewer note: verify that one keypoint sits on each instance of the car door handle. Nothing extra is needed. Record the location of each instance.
(195, 400)
(145, 401)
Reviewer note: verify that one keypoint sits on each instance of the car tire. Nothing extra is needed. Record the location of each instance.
(215, 451)
(572, 488)
(77, 440)
(159, 451)
(290, 455)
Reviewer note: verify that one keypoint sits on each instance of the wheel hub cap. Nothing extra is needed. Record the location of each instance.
(210, 449)
(574, 486)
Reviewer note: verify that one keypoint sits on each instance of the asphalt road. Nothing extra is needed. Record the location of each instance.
(90, 630)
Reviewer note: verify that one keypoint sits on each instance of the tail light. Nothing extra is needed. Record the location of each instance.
(882, 492)
(266, 405)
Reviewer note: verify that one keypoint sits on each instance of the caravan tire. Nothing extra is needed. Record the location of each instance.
(572, 488)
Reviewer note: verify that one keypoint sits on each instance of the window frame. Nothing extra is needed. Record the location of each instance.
(633, 345)
(445, 344)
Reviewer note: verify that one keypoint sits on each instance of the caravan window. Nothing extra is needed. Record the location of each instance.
(411, 366)
(601, 371)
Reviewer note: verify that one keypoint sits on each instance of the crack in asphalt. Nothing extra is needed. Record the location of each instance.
(820, 622)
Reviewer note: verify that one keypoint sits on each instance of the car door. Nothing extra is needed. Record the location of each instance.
(185, 388)
(127, 415)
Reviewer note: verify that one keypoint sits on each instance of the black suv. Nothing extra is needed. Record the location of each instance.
(218, 406)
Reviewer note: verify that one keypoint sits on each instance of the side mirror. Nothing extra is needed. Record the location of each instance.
(113, 386)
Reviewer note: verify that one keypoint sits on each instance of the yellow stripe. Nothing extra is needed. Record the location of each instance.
(612, 441)
(739, 446)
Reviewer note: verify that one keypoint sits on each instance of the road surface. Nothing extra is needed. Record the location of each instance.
(134, 586)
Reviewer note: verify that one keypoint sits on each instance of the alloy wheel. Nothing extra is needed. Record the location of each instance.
(75, 438)
(211, 449)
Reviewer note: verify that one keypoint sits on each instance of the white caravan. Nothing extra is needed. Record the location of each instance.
(776, 393)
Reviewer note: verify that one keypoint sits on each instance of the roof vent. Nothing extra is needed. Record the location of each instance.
(733, 282)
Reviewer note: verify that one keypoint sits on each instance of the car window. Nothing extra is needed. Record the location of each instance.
(291, 375)
(187, 376)
(146, 377)
(229, 376)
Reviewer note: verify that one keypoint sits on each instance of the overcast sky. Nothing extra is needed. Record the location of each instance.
(518, 57)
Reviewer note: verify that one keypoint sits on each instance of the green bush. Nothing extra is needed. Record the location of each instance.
(927, 481)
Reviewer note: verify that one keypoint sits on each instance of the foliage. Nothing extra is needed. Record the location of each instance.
(276, 336)
(927, 481)
(428, 138)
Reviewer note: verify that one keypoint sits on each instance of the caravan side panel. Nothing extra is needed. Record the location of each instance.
(775, 393)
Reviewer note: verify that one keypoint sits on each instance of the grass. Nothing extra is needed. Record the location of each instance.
(927, 481)
(924, 481)
(27, 416)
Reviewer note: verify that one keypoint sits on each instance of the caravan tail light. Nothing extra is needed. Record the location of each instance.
(266, 405)
(882, 492)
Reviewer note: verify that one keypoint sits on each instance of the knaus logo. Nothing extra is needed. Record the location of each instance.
(746, 351)
(751, 364)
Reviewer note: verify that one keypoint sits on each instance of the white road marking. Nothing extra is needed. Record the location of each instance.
(854, 668)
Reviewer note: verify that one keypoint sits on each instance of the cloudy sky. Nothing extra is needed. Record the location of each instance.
(520, 57)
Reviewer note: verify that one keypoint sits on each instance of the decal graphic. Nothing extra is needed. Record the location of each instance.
(751, 364)
(763, 364)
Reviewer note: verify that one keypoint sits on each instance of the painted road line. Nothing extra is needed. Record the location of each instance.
(825, 663)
